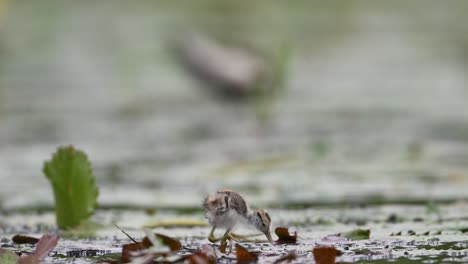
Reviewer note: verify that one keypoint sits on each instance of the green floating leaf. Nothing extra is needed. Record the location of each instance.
(358, 234)
(71, 175)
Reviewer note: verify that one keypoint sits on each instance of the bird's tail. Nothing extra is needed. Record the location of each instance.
(208, 202)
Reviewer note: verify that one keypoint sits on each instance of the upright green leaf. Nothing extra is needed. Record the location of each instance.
(71, 175)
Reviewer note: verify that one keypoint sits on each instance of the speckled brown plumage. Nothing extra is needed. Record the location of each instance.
(226, 200)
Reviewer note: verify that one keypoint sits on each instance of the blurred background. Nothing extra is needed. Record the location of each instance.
(372, 107)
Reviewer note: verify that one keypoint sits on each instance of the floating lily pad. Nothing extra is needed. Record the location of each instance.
(357, 234)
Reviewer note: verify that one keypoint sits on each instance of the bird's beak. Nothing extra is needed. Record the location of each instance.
(268, 235)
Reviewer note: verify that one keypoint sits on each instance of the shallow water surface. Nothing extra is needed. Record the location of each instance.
(410, 232)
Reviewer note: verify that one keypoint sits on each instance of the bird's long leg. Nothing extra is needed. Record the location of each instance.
(223, 239)
(226, 236)
(211, 236)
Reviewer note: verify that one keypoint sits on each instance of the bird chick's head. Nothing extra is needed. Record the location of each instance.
(263, 223)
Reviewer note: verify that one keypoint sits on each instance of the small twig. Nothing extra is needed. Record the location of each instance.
(131, 238)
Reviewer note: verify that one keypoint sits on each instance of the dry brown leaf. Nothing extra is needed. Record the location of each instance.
(284, 236)
(325, 255)
(200, 258)
(46, 244)
(172, 243)
(244, 256)
(146, 242)
(211, 251)
(20, 239)
(286, 259)
(29, 260)
(222, 247)
(127, 249)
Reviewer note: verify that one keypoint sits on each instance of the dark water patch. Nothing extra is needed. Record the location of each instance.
(417, 260)
(446, 246)
(366, 201)
(37, 228)
(80, 253)
(450, 130)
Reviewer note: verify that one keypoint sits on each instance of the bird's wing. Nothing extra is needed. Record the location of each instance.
(223, 205)
(237, 202)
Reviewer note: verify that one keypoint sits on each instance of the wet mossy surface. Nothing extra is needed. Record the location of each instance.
(375, 241)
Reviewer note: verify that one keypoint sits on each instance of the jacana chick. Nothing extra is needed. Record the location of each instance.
(226, 209)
